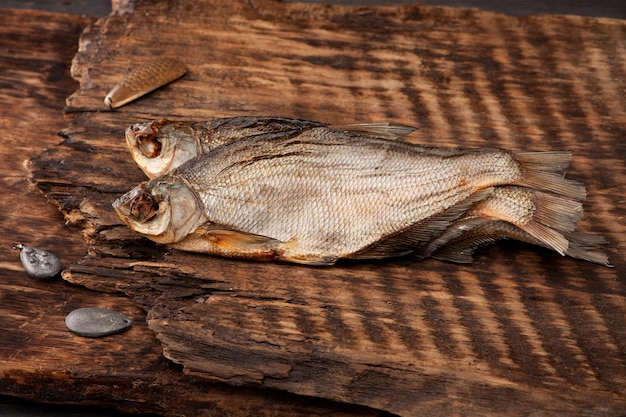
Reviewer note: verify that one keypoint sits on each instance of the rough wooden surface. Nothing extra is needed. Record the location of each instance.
(40, 359)
(519, 331)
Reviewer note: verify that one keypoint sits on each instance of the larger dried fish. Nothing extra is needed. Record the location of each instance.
(144, 79)
(160, 146)
(324, 194)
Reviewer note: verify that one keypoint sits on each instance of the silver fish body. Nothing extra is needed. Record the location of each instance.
(322, 194)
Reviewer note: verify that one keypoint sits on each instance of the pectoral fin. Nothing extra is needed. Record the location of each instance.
(230, 243)
(219, 241)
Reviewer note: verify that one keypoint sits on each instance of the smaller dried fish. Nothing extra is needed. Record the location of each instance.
(96, 322)
(144, 79)
(160, 146)
(38, 263)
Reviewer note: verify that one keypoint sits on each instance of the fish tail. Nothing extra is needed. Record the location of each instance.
(587, 247)
(545, 171)
(540, 218)
(544, 216)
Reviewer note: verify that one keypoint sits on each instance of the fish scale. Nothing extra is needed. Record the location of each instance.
(226, 183)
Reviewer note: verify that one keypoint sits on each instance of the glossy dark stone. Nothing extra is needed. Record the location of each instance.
(39, 263)
(96, 322)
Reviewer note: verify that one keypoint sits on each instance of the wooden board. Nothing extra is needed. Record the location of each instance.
(518, 331)
(40, 359)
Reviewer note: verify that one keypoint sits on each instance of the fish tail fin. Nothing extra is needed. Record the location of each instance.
(587, 247)
(545, 171)
(544, 219)
(557, 212)
(544, 216)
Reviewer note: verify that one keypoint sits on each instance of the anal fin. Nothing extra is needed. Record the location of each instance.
(413, 238)
(484, 232)
(460, 248)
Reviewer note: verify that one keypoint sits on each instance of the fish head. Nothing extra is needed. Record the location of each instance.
(164, 211)
(159, 146)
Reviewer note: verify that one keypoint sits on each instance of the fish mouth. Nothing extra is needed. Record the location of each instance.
(137, 206)
(145, 137)
(126, 205)
(147, 210)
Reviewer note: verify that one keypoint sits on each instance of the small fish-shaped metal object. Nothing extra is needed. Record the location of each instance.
(96, 322)
(322, 194)
(160, 146)
(39, 263)
(144, 79)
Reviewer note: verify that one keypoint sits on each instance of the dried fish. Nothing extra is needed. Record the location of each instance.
(160, 146)
(321, 194)
(96, 322)
(38, 263)
(144, 79)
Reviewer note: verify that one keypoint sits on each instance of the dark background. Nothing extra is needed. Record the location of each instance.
(596, 8)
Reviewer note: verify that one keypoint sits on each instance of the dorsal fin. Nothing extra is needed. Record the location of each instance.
(389, 131)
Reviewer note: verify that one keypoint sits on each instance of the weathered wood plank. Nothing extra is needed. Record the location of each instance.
(40, 359)
(518, 331)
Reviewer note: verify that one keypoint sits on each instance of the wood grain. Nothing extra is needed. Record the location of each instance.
(519, 331)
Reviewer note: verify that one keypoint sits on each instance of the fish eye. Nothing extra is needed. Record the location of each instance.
(144, 208)
(149, 144)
